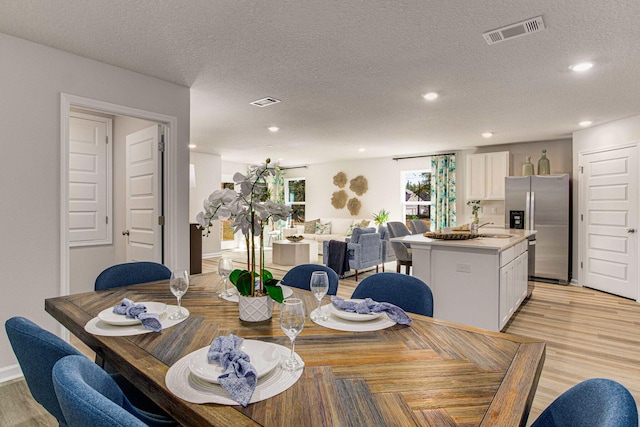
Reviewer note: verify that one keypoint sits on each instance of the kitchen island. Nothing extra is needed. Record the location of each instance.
(479, 282)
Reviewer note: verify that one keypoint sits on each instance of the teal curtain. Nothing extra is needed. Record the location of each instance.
(443, 191)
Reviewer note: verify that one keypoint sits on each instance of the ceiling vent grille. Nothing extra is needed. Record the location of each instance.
(265, 102)
(515, 30)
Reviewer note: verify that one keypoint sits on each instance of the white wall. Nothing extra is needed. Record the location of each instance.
(384, 178)
(32, 77)
(208, 170)
(611, 134)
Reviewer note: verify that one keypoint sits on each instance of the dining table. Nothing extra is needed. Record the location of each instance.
(430, 372)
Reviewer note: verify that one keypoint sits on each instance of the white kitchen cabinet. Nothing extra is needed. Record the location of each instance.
(513, 280)
(485, 175)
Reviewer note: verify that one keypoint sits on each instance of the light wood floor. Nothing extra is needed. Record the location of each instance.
(588, 334)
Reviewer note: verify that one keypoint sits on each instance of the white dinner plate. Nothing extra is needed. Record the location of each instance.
(264, 358)
(108, 316)
(353, 317)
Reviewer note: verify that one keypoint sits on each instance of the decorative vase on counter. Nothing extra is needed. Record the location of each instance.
(544, 168)
(527, 167)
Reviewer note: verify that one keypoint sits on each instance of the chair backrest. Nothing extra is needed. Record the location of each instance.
(300, 276)
(131, 273)
(397, 229)
(407, 292)
(594, 402)
(357, 232)
(89, 396)
(38, 351)
(418, 226)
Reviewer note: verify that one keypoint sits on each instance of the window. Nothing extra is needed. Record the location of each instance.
(295, 198)
(417, 195)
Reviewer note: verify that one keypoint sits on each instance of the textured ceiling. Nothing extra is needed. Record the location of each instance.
(350, 73)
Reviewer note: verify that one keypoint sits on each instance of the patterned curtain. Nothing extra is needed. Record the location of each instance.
(443, 191)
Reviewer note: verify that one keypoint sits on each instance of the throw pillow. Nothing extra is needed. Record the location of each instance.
(310, 226)
(364, 223)
(351, 228)
(323, 228)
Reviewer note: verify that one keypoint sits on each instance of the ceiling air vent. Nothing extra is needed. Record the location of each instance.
(515, 30)
(265, 102)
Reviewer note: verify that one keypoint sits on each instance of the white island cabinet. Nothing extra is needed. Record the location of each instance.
(479, 282)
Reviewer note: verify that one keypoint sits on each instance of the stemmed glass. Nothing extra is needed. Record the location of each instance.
(292, 318)
(319, 286)
(179, 283)
(225, 267)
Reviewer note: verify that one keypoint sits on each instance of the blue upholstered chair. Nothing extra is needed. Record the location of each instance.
(418, 226)
(365, 249)
(131, 273)
(407, 292)
(300, 276)
(401, 250)
(88, 396)
(38, 351)
(595, 402)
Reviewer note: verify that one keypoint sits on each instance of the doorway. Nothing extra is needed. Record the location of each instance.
(609, 220)
(93, 256)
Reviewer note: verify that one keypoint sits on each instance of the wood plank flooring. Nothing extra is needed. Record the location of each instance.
(588, 334)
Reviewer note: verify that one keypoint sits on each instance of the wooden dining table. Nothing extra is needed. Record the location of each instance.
(430, 372)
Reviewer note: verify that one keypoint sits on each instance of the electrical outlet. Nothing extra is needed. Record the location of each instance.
(494, 210)
(463, 268)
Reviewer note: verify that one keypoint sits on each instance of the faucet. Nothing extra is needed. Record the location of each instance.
(486, 223)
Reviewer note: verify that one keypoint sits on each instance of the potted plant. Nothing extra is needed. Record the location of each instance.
(250, 208)
(381, 217)
(475, 207)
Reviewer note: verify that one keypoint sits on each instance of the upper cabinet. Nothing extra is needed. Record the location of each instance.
(485, 175)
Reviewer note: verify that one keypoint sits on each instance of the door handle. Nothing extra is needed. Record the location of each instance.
(631, 230)
(125, 233)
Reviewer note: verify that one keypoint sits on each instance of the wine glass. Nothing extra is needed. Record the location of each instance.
(292, 318)
(179, 283)
(225, 267)
(319, 286)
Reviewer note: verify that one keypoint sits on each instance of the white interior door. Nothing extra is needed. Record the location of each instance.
(144, 201)
(609, 211)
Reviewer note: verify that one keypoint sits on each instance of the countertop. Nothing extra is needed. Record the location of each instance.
(492, 243)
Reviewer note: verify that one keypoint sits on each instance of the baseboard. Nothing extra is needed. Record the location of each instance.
(10, 372)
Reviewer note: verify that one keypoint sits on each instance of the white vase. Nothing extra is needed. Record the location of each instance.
(255, 309)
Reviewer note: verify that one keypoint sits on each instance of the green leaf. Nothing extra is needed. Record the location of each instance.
(275, 292)
(244, 283)
(266, 275)
(235, 274)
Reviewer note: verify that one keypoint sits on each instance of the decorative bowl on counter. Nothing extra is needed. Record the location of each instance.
(294, 239)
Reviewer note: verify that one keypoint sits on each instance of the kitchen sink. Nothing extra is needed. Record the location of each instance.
(497, 235)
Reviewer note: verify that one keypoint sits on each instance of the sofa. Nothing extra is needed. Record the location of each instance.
(329, 229)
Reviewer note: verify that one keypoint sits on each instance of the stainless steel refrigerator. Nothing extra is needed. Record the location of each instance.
(543, 203)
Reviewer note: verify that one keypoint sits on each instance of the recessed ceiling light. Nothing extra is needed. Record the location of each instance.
(430, 96)
(274, 128)
(487, 134)
(585, 123)
(361, 149)
(192, 146)
(583, 66)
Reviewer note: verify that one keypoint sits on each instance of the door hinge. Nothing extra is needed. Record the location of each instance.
(106, 139)
(161, 220)
(581, 169)
(161, 144)
(581, 217)
(107, 219)
(580, 264)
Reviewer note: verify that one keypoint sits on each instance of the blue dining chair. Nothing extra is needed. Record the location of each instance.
(300, 276)
(38, 350)
(89, 396)
(595, 402)
(131, 273)
(407, 292)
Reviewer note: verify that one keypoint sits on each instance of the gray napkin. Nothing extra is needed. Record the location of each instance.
(240, 377)
(368, 305)
(132, 310)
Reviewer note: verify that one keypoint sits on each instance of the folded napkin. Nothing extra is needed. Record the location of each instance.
(368, 305)
(139, 311)
(239, 378)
